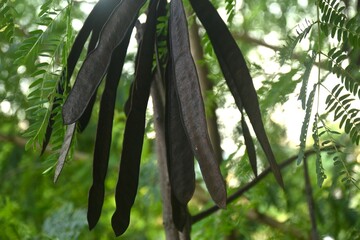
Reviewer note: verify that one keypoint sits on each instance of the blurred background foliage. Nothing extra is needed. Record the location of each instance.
(33, 207)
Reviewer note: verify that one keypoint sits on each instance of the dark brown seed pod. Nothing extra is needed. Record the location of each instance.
(250, 148)
(104, 131)
(89, 77)
(180, 213)
(64, 149)
(179, 152)
(127, 184)
(191, 103)
(94, 22)
(236, 73)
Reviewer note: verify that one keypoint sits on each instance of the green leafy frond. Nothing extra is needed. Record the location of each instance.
(349, 76)
(340, 101)
(7, 16)
(302, 31)
(335, 23)
(42, 90)
(320, 171)
(333, 149)
(162, 33)
(45, 48)
(305, 79)
(230, 9)
(305, 125)
(45, 40)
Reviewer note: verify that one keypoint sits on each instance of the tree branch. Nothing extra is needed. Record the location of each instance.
(310, 201)
(255, 215)
(198, 217)
(246, 38)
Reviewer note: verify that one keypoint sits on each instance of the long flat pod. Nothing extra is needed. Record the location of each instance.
(94, 22)
(104, 131)
(179, 152)
(64, 150)
(100, 18)
(127, 184)
(226, 47)
(191, 103)
(97, 62)
(180, 213)
(250, 148)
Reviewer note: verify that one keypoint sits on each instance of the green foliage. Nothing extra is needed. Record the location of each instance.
(305, 125)
(29, 200)
(7, 15)
(230, 9)
(309, 62)
(65, 223)
(12, 228)
(340, 103)
(320, 171)
(332, 23)
(336, 24)
(302, 31)
(46, 47)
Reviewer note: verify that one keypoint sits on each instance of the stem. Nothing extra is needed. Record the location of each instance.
(198, 217)
(310, 201)
(319, 57)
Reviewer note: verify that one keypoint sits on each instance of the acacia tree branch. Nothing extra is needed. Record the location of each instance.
(248, 39)
(198, 217)
(18, 141)
(310, 201)
(296, 233)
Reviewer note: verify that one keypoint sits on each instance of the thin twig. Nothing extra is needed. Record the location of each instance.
(310, 201)
(287, 229)
(198, 217)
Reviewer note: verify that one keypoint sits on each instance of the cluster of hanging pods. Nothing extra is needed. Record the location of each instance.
(110, 24)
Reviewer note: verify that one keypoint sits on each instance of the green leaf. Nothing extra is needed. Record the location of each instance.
(308, 66)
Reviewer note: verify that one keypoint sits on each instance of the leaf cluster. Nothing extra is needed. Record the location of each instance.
(332, 22)
(339, 102)
(44, 49)
(7, 16)
(335, 23)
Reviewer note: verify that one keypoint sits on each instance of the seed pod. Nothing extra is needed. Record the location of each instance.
(236, 73)
(191, 103)
(127, 184)
(179, 152)
(89, 77)
(104, 131)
